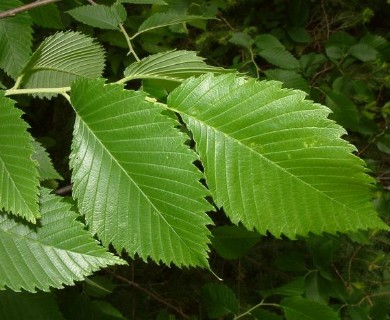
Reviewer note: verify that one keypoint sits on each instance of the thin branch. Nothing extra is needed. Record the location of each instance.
(249, 311)
(128, 40)
(28, 6)
(64, 190)
(150, 293)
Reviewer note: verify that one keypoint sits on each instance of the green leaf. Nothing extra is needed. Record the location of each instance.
(279, 57)
(218, 300)
(162, 19)
(272, 159)
(289, 78)
(294, 288)
(18, 173)
(298, 34)
(134, 178)
(58, 251)
(14, 54)
(363, 52)
(47, 16)
(25, 305)
(241, 39)
(344, 111)
(62, 58)
(45, 166)
(171, 66)
(267, 41)
(298, 308)
(233, 242)
(100, 16)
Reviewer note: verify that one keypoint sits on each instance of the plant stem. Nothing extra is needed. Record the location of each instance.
(61, 90)
(261, 303)
(29, 6)
(128, 40)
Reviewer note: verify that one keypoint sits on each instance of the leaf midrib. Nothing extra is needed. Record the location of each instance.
(136, 185)
(228, 137)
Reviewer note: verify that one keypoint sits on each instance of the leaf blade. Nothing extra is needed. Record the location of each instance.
(298, 308)
(156, 201)
(171, 65)
(18, 173)
(14, 54)
(60, 59)
(255, 138)
(164, 19)
(100, 16)
(59, 251)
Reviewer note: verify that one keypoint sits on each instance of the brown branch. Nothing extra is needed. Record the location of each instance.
(149, 293)
(29, 6)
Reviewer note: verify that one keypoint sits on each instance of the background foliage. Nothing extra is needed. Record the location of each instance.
(335, 51)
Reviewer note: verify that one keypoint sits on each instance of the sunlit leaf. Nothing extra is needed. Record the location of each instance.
(272, 159)
(134, 178)
(60, 59)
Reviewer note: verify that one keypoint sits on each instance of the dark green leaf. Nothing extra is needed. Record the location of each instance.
(27, 306)
(100, 16)
(45, 166)
(363, 52)
(14, 54)
(219, 300)
(298, 308)
(233, 242)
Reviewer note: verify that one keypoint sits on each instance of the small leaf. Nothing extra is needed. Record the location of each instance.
(171, 66)
(58, 251)
(123, 146)
(45, 166)
(363, 52)
(294, 288)
(60, 59)
(267, 41)
(218, 300)
(233, 242)
(25, 305)
(298, 34)
(18, 174)
(162, 19)
(100, 16)
(272, 159)
(241, 39)
(289, 78)
(279, 57)
(298, 308)
(14, 54)
(345, 112)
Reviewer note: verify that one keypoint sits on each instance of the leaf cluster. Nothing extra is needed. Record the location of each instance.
(174, 163)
